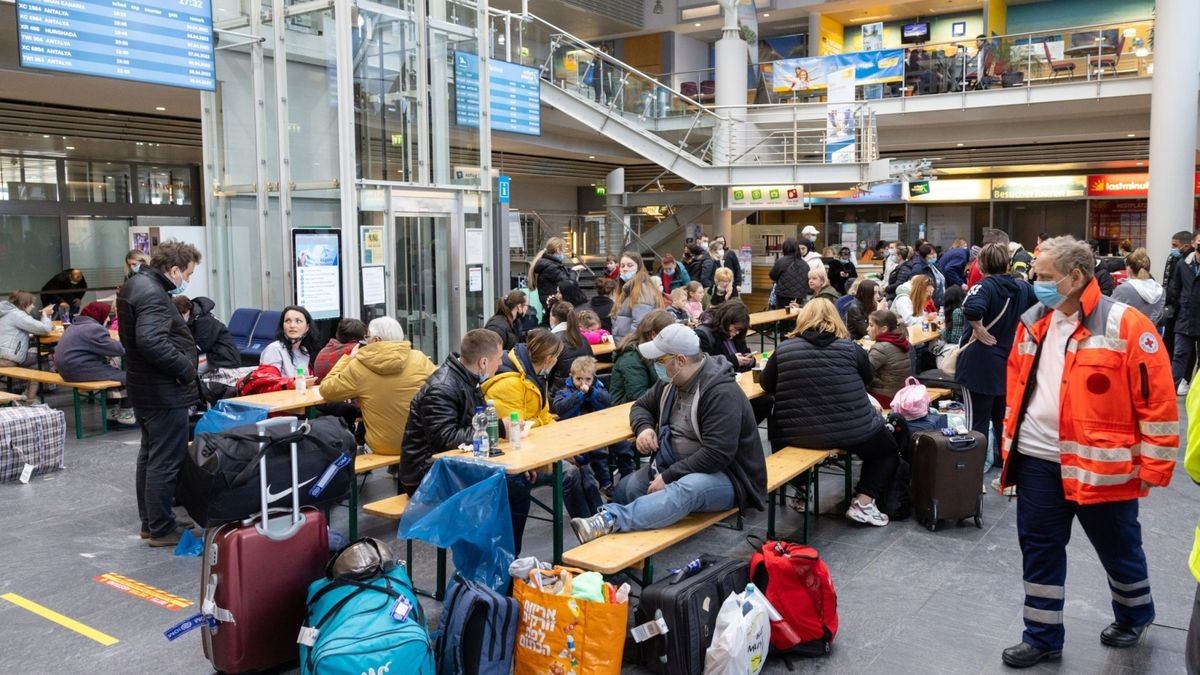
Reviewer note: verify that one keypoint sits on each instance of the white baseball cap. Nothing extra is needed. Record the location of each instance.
(809, 231)
(676, 339)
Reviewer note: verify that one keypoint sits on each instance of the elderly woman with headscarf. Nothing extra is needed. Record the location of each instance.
(86, 353)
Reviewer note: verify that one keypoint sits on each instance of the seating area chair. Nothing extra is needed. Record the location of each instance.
(1108, 59)
(689, 89)
(708, 91)
(1057, 67)
(241, 325)
(263, 335)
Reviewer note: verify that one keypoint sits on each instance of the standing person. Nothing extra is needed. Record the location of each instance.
(1192, 464)
(506, 322)
(134, 261)
(993, 310)
(790, 275)
(602, 303)
(1181, 247)
(809, 254)
(1140, 291)
(295, 343)
(891, 260)
(903, 270)
(65, 291)
(1184, 295)
(866, 300)
(848, 272)
(213, 341)
(160, 357)
(702, 265)
(819, 381)
(673, 275)
(723, 289)
(602, 76)
(16, 324)
(548, 270)
(1100, 271)
(384, 376)
(953, 263)
(728, 259)
(636, 296)
(925, 262)
(85, 353)
(1093, 424)
(611, 267)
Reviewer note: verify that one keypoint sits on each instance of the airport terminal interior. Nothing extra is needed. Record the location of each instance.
(678, 193)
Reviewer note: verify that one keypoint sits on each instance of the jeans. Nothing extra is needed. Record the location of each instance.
(1044, 519)
(1183, 359)
(985, 409)
(1193, 642)
(520, 498)
(623, 457)
(634, 509)
(880, 457)
(164, 444)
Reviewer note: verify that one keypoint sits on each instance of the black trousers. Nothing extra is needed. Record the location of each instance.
(984, 409)
(164, 444)
(879, 456)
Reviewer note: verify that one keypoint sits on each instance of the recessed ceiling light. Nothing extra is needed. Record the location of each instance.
(960, 145)
(159, 108)
(767, 15)
(697, 24)
(70, 147)
(591, 157)
(45, 135)
(1141, 164)
(1130, 135)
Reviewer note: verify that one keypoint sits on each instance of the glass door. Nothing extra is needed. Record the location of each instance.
(423, 280)
(97, 246)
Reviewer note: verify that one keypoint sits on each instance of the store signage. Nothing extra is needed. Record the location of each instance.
(1039, 187)
(767, 197)
(918, 188)
(503, 189)
(1125, 185)
(963, 190)
(888, 192)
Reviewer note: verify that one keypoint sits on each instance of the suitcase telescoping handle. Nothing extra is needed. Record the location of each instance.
(281, 531)
(962, 442)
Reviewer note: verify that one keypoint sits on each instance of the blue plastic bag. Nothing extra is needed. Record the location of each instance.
(225, 416)
(189, 546)
(462, 505)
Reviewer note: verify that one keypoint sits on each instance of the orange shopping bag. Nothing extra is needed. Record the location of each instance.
(562, 635)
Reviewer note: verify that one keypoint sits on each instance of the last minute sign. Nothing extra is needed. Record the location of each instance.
(1124, 185)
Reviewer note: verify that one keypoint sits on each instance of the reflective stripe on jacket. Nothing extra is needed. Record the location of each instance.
(1118, 415)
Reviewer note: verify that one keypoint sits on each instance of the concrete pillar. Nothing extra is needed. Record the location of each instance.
(1172, 124)
(733, 60)
(723, 226)
(814, 34)
(614, 223)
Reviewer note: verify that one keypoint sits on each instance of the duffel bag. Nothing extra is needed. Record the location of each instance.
(797, 583)
(219, 482)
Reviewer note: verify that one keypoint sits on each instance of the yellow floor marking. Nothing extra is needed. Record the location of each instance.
(139, 590)
(65, 622)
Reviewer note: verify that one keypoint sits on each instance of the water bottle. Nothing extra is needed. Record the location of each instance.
(493, 425)
(300, 383)
(514, 430)
(479, 441)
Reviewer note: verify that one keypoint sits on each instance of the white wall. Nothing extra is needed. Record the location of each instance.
(690, 54)
(532, 194)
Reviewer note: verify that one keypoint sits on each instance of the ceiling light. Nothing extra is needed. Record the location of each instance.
(159, 108)
(960, 145)
(697, 24)
(70, 147)
(1141, 164)
(767, 15)
(591, 157)
(45, 135)
(1130, 135)
(658, 8)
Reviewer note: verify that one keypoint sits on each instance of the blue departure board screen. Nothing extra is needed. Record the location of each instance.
(157, 41)
(515, 95)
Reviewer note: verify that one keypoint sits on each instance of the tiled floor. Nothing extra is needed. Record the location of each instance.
(910, 601)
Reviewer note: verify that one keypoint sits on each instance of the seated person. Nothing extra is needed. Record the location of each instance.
(679, 306)
(383, 376)
(865, 299)
(220, 365)
(506, 322)
(818, 281)
(889, 356)
(590, 327)
(16, 324)
(700, 427)
(564, 324)
(602, 302)
(724, 335)
(696, 299)
(583, 394)
(86, 353)
(914, 301)
(350, 332)
(520, 386)
(295, 343)
(65, 292)
(723, 289)
(819, 380)
(439, 417)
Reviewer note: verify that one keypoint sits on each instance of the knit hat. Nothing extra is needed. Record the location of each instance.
(97, 310)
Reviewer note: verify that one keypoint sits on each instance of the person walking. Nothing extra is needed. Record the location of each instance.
(1092, 425)
(160, 357)
(1181, 247)
(1184, 296)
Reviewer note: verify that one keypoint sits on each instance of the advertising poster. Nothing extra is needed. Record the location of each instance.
(745, 256)
(318, 270)
(872, 39)
(372, 246)
(811, 73)
(840, 123)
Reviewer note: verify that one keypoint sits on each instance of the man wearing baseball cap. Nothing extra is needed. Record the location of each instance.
(699, 427)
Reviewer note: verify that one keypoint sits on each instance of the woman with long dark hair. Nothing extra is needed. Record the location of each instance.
(564, 323)
(866, 300)
(295, 343)
(506, 321)
(790, 275)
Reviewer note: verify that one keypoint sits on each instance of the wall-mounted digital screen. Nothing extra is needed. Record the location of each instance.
(914, 32)
(166, 42)
(515, 96)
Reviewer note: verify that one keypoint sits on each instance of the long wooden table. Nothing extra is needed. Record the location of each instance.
(916, 336)
(288, 400)
(604, 348)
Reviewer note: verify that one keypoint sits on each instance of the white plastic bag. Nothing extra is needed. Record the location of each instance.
(742, 635)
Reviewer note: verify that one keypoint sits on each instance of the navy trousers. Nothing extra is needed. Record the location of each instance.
(1044, 520)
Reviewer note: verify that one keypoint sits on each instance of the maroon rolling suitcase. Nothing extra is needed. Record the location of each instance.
(255, 578)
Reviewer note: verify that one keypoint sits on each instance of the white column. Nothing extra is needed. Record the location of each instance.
(814, 34)
(1172, 124)
(732, 60)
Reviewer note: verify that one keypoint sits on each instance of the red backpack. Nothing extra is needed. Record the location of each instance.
(796, 581)
(262, 380)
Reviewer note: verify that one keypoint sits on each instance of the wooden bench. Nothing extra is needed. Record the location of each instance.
(364, 464)
(393, 508)
(615, 553)
(9, 397)
(44, 377)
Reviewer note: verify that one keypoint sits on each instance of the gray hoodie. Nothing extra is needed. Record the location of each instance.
(15, 327)
(1144, 295)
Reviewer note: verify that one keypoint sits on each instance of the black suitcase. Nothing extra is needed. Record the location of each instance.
(947, 472)
(688, 603)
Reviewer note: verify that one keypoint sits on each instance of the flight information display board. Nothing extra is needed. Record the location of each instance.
(166, 42)
(515, 102)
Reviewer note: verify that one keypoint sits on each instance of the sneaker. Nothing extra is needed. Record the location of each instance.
(1183, 389)
(868, 514)
(113, 413)
(594, 527)
(985, 488)
(1010, 491)
(126, 418)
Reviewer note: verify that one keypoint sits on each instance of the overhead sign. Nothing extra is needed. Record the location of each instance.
(887, 192)
(918, 188)
(965, 190)
(514, 96)
(782, 197)
(166, 42)
(1039, 187)
(503, 186)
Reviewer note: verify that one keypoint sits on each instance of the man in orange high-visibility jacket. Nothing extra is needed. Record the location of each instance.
(1092, 423)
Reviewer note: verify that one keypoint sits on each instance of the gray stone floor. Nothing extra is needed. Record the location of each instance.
(910, 601)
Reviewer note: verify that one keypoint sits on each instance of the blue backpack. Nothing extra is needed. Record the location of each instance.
(478, 631)
(374, 626)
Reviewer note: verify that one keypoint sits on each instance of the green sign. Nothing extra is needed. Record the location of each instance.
(397, 139)
(601, 191)
(918, 188)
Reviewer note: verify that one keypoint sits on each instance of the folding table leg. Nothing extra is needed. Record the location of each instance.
(558, 512)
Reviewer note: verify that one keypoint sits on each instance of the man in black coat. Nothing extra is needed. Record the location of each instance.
(161, 381)
(439, 417)
(700, 427)
(702, 266)
(65, 291)
(1184, 292)
(730, 261)
(1103, 276)
(1181, 247)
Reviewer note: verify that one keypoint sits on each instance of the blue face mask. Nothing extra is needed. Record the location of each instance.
(134, 269)
(932, 260)
(626, 276)
(1047, 293)
(557, 256)
(178, 290)
(661, 371)
(1175, 253)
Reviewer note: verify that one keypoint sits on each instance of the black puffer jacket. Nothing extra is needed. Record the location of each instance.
(820, 387)
(212, 336)
(729, 441)
(160, 352)
(509, 334)
(790, 275)
(549, 272)
(439, 419)
(903, 272)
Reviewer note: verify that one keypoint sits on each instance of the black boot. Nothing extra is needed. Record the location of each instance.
(1119, 636)
(1024, 655)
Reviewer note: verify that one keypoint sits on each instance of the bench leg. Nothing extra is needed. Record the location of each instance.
(771, 512)
(807, 507)
(78, 414)
(558, 512)
(849, 478)
(103, 412)
(647, 572)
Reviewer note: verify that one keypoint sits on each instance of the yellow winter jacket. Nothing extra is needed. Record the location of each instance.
(383, 377)
(1192, 464)
(511, 391)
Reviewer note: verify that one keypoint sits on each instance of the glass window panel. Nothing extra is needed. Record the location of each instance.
(165, 185)
(454, 149)
(98, 247)
(385, 98)
(312, 97)
(28, 179)
(30, 251)
(97, 182)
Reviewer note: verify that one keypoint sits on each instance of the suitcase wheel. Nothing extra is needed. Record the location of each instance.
(931, 525)
(978, 522)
